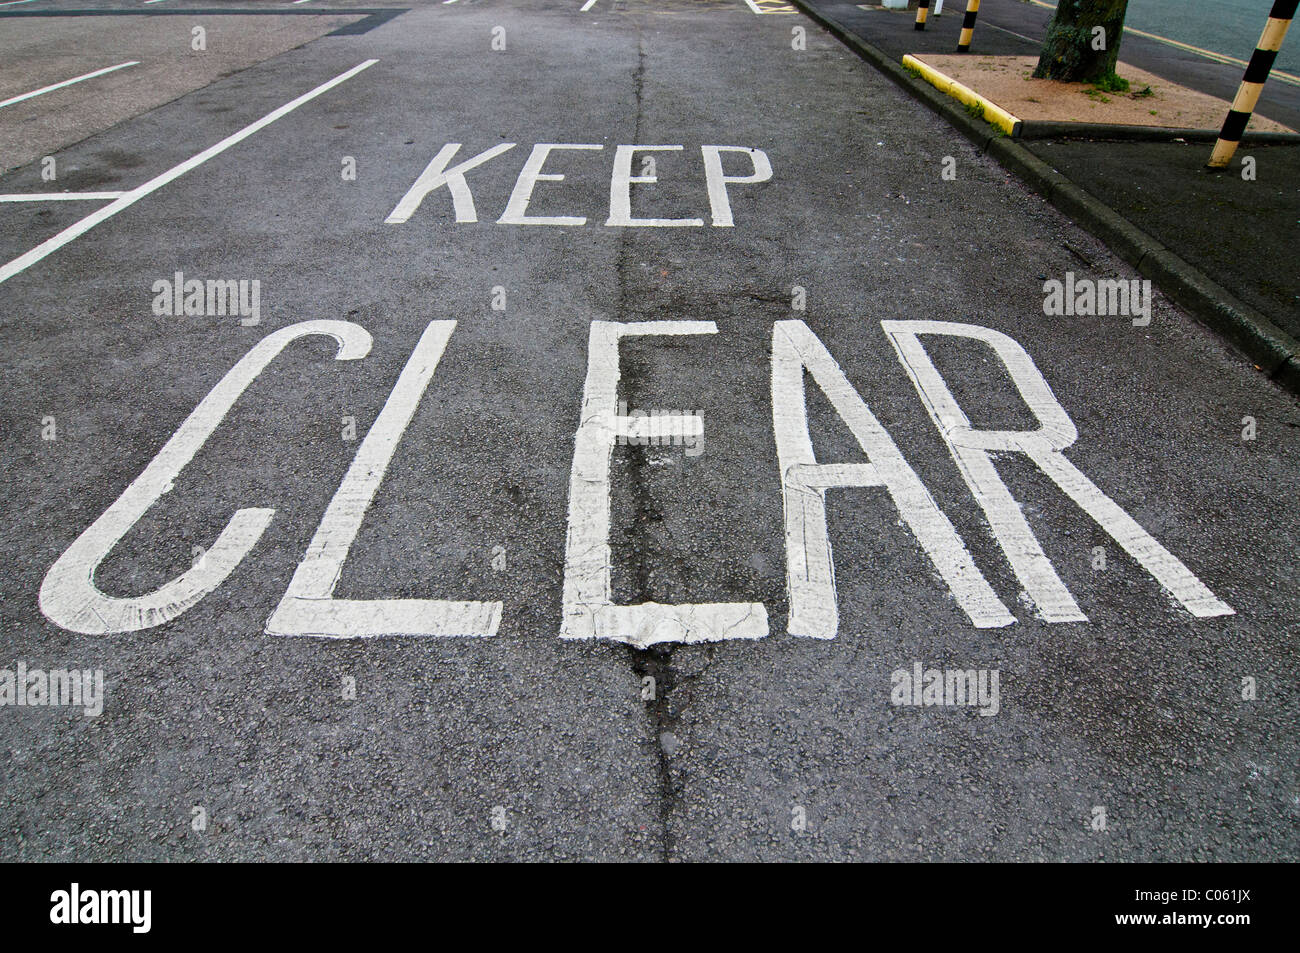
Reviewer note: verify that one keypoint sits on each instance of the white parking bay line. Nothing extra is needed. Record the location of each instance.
(754, 6)
(68, 82)
(59, 196)
(588, 5)
(25, 261)
(14, 3)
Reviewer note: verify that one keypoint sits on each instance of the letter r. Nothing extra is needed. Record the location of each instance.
(971, 449)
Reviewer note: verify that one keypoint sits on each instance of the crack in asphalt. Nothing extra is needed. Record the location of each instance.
(654, 662)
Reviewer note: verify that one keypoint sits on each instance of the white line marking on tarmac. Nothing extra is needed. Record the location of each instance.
(68, 82)
(25, 261)
(445, 2)
(753, 6)
(588, 5)
(437, 174)
(516, 212)
(973, 451)
(14, 3)
(1018, 36)
(719, 202)
(60, 196)
(69, 597)
(147, 2)
(620, 190)
(810, 566)
(589, 609)
(309, 607)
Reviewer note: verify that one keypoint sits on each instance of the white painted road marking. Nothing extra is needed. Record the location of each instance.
(436, 174)
(620, 190)
(59, 196)
(75, 231)
(588, 5)
(69, 596)
(971, 450)
(589, 611)
(810, 569)
(517, 208)
(68, 82)
(719, 202)
(308, 606)
(1031, 565)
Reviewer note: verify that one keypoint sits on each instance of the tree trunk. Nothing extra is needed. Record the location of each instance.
(1070, 49)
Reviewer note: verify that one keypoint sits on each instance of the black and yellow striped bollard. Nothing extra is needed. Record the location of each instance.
(968, 26)
(922, 14)
(1252, 84)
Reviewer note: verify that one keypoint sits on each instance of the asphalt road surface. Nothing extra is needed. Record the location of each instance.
(540, 547)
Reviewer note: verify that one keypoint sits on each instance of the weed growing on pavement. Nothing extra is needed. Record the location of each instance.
(1112, 83)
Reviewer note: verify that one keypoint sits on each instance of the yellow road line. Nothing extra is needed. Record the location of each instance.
(991, 111)
(1284, 77)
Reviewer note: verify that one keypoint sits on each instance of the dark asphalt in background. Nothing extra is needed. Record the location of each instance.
(1138, 711)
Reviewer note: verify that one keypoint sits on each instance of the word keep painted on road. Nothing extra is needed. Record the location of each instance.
(70, 598)
(440, 173)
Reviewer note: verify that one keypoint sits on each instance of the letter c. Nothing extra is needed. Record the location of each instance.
(69, 596)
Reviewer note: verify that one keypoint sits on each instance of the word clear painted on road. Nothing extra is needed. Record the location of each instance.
(439, 173)
(70, 598)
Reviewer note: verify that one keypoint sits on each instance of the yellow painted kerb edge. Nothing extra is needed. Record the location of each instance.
(993, 113)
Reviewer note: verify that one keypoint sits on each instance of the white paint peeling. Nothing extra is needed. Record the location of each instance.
(589, 612)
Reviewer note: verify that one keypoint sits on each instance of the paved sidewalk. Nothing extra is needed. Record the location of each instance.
(1014, 27)
(1227, 226)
